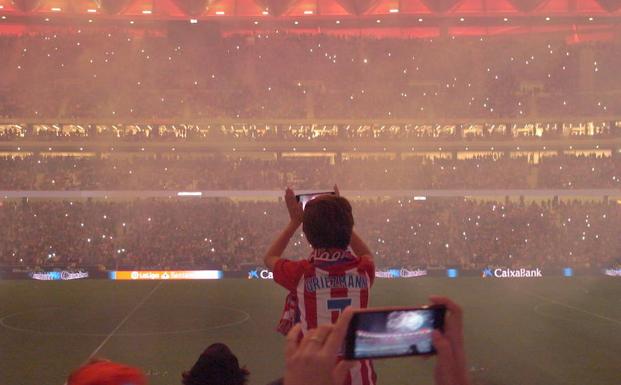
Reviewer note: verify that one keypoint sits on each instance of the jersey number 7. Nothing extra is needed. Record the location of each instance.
(338, 304)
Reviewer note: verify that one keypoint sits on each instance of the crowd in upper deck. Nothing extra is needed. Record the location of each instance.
(118, 75)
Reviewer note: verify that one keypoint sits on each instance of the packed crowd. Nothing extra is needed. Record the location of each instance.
(222, 172)
(221, 233)
(354, 131)
(118, 75)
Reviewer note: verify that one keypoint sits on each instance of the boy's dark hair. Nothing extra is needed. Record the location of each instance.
(328, 222)
(216, 366)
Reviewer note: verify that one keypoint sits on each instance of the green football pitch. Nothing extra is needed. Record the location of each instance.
(519, 332)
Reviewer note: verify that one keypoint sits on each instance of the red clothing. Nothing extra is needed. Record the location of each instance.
(324, 285)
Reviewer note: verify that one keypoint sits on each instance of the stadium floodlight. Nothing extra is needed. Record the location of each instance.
(308, 12)
(394, 10)
(189, 194)
(56, 9)
(420, 198)
(265, 13)
(220, 13)
(91, 10)
(193, 21)
(147, 12)
(1, 6)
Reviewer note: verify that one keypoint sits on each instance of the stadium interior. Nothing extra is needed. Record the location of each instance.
(475, 139)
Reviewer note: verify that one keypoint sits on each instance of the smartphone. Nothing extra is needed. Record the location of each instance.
(393, 332)
(305, 198)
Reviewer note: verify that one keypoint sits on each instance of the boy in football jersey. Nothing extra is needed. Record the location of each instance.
(338, 273)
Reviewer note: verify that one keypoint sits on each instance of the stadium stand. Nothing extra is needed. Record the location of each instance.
(230, 172)
(223, 233)
(118, 75)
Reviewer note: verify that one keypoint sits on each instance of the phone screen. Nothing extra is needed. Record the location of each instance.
(393, 333)
(305, 198)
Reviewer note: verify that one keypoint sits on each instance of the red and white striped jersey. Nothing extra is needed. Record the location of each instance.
(325, 284)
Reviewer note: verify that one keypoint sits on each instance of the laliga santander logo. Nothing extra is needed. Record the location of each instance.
(135, 275)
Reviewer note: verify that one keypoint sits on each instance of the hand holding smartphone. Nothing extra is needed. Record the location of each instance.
(393, 332)
(305, 198)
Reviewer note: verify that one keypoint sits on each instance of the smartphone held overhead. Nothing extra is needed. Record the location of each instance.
(305, 198)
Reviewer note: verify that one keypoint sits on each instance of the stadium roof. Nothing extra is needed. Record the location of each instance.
(419, 17)
(315, 8)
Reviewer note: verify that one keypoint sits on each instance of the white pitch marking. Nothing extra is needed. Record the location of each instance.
(146, 297)
(574, 308)
(3, 323)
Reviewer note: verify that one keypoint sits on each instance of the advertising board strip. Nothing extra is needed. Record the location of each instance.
(164, 275)
(262, 273)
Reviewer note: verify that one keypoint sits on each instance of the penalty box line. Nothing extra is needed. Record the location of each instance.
(116, 329)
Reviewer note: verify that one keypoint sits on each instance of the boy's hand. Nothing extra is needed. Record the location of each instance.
(296, 214)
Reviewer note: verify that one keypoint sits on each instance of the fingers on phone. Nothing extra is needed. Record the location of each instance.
(440, 343)
(316, 338)
(293, 340)
(454, 308)
(336, 338)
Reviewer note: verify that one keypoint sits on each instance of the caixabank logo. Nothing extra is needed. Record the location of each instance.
(260, 273)
(499, 272)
